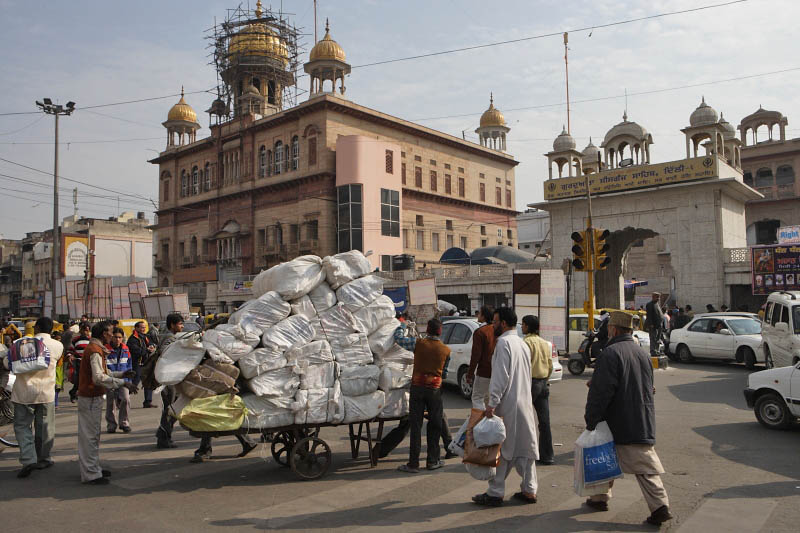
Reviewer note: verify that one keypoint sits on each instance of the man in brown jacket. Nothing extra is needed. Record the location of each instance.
(480, 365)
(430, 359)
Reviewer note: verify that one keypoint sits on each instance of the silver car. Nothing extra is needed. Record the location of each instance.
(722, 336)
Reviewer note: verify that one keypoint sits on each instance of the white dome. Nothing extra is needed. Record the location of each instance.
(564, 142)
(703, 115)
(626, 128)
(730, 131)
(590, 153)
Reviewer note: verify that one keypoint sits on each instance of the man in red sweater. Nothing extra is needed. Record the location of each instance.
(480, 364)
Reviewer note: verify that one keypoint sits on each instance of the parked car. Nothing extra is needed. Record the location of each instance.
(457, 334)
(781, 329)
(774, 396)
(723, 336)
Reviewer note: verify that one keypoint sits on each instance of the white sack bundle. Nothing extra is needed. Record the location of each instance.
(345, 267)
(395, 376)
(337, 322)
(260, 314)
(303, 306)
(265, 412)
(293, 331)
(360, 292)
(396, 403)
(363, 408)
(229, 340)
(292, 279)
(282, 382)
(313, 353)
(323, 297)
(179, 358)
(359, 380)
(382, 339)
(317, 406)
(261, 360)
(395, 354)
(321, 376)
(376, 313)
(351, 349)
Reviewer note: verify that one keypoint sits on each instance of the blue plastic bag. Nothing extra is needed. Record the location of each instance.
(596, 462)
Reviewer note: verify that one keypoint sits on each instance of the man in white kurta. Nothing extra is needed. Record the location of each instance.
(510, 398)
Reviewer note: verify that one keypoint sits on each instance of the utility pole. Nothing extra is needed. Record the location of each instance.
(590, 267)
(47, 106)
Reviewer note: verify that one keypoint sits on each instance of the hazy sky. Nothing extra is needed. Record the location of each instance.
(97, 52)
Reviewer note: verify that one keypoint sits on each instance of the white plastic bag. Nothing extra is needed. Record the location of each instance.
(320, 376)
(588, 443)
(375, 313)
(396, 403)
(457, 444)
(383, 338)
(260, 314)
(289, 332)
(323, 297)
(351, 349)
(266, 412)
(363, 408)
(282, 382)
(396, 355)
(230, 340)
(359, 380)
(317, 406)
(337, 322)
(480, 472)
(179, 359)
(292, 279)
(345, 267)
(489, 431)
(395, 376)
(360, 292)
(313, 353)
(304, 306)
(261, 360)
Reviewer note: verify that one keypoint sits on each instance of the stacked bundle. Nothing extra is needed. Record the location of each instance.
(315, 346)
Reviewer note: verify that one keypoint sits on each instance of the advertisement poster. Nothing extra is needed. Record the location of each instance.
(74, 256)
(775, 268)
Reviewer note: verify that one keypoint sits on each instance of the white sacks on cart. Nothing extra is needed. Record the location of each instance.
(336, 322)
(351, 349)
(230, 341)
(382, 339)
(360, 292)
(293, 331)
(266, 412)
(292, 279)
(395, 354)
(396, 403)
(303, 306)
(261, 360)
(319, 376)
(318, 406)
(282, 383)
(376, 313)
(395, 376)
(359, 380)
(363, 408)
(345, 267)
(180, 358)
(323, 297)
(260, 314)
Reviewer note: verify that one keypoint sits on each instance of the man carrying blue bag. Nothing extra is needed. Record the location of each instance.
(621, 394)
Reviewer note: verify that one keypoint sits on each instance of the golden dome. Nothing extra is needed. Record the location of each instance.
(182, 111)
(327, 48)
(492, 116)
(258, 40)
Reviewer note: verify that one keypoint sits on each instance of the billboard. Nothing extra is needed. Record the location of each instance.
(775, 268)
(74, 255)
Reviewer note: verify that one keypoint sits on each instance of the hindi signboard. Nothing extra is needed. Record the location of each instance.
(775, 268)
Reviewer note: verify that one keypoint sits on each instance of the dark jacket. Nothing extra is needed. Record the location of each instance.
(483, 343)
(621, 393)
(655, 316)
(137, 344)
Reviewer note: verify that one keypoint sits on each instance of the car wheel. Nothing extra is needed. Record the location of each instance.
(768, 362)
(748, 356)
(466, 388)
(576, 367)
(684, 355)
(771, 412)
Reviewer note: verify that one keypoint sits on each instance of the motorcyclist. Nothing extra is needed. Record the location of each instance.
(601, 338)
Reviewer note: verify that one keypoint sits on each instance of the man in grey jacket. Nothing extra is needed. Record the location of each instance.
(164, 432)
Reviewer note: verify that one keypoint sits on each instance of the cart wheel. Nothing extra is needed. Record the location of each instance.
(310, 458)
(281, 446)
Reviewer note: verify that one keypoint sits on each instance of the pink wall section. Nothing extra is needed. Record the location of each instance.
(361, 159)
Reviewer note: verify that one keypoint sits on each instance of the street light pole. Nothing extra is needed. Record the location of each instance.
(47, 106)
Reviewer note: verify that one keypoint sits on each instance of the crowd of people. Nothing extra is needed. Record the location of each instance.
(509, 375)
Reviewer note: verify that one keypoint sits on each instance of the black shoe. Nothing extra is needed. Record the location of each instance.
(659, 516)
(106, 473)
(247, 448)
(199, 456)
(487, 501)
(450, 455)
(46, 463)
(112, 430)
(26, 470)
(435, 466)
(149, 406)
(545, 462)
(597, 506)
(166, 445)
(126, 430)
(524, 498)
(99, 481)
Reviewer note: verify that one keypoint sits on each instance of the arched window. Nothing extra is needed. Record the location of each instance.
(764, 177)
(184, 184)
(748, 178)
(278, 157)
(269, 162)
(784, 175)
(262, 161)
(207, 176)
(195, 180)
(287, 156)
(193, 249)
(295, 152)
(312, 151)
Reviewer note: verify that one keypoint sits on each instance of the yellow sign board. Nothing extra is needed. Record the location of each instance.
(637, 177)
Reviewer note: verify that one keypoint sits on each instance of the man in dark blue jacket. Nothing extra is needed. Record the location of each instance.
(621, 393)
(118, 360)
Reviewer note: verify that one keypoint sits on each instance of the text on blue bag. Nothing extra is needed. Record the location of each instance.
(600, 464)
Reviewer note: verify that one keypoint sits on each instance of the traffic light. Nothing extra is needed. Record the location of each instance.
(580, 251)
(601, 248)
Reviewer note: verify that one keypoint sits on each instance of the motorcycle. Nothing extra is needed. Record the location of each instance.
(587, 355)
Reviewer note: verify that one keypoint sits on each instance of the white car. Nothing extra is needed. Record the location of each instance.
(457, 335)
(719, 336)
(781, 329)
(774, 395)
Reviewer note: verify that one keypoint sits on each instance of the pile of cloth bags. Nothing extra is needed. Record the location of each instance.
(315, 345)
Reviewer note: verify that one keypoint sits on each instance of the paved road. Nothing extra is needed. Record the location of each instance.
(724, 473)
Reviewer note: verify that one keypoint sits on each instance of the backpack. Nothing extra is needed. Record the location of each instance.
(28, 354)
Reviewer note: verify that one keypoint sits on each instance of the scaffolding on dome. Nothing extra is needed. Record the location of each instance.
(250, 44)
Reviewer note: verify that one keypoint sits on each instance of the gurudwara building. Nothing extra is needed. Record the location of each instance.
(277, 178)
